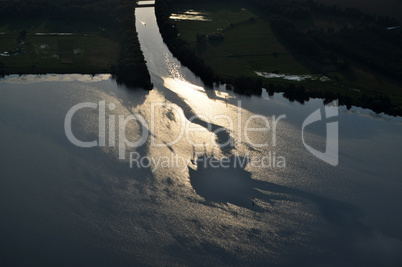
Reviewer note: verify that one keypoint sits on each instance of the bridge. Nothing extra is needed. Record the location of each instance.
(147, 4)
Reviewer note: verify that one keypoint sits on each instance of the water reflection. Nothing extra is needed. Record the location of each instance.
(339, 196)
(292, 77)
(37, 78)
(190, 15)
(57, 197)
(231, 183)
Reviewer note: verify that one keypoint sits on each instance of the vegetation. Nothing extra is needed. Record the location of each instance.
(102, 39)
(83, 53)
(383, 8)
(131, 68)
(355, 50)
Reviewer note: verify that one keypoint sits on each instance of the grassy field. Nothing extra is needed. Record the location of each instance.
(43, 50)
(247, 47)
(250, 46)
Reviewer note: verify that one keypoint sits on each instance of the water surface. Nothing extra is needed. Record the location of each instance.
(65, 205)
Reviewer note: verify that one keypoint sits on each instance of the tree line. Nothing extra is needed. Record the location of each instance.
(363, 44)
(131, 66)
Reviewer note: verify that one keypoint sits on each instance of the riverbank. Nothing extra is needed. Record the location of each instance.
(237, 59)
(74, 42)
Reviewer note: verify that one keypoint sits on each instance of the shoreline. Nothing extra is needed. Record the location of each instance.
(251, 86)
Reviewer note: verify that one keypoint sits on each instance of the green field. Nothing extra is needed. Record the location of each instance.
(247, 47)
(84, 49)
(250, 46)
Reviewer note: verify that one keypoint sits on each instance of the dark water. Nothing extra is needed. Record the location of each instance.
(64, 205)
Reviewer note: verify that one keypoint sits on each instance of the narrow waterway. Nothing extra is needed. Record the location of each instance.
(154, 203)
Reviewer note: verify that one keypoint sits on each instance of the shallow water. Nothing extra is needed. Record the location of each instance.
(190, 15)
(292, 77)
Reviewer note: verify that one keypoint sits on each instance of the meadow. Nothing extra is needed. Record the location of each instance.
(56, 47)
(250, 45)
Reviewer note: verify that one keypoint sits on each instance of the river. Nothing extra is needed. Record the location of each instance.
(155, 204)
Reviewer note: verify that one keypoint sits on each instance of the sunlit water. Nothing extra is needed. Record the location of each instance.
(190, 15)
(291, 77)
(63, 204)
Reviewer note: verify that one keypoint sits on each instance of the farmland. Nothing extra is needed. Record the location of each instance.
(323, 44)
(61, 36)
(249, 46)
(54, 46)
